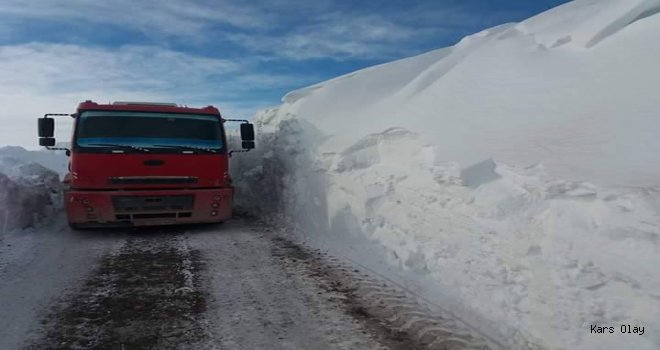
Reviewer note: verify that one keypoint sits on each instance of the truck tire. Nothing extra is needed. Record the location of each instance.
(75, 227)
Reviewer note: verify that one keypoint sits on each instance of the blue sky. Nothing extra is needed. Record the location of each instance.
(238, 55)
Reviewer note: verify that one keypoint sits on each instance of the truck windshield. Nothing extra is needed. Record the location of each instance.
(146, 129)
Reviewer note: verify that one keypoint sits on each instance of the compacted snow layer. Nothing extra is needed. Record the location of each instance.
(233, 286)
(511, 179)
(533, 259)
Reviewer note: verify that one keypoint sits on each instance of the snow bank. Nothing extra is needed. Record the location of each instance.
(587, 113)
(11, 157)
(29, 192)
(510, 179)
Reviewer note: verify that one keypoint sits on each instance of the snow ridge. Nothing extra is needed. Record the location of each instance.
(585, 23)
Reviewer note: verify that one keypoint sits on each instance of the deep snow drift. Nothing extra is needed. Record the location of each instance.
(554, 88)
(513, 178)
(29, 187)
(12, 157)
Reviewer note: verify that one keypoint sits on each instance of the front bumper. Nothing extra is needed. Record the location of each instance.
(148, 207)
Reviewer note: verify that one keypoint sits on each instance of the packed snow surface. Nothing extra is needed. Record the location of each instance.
(513, 178)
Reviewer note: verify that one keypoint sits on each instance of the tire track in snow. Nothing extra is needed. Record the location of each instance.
(144, 295)
(405, 312)
(393, 311)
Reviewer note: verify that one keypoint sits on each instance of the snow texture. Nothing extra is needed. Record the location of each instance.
(29, 191)
(512, 179)
(13, 156)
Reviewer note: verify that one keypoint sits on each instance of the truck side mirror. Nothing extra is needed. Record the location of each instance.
(47, 141)
(247, 133)
(46, 127)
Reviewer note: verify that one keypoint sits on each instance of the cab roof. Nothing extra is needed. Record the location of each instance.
(146, 107)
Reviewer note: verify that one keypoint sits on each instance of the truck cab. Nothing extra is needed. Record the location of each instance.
(138, 163)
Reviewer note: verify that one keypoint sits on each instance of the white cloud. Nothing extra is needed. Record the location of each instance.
(290, 29)
(336, 36)
(52, 78)
(56, 67)
(178, 18)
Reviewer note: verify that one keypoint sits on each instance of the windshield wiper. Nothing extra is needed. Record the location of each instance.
(120, 145)
(193, 148)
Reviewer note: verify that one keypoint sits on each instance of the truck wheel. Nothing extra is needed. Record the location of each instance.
(74, 226)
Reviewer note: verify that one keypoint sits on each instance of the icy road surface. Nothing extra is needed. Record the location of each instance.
(231, 286)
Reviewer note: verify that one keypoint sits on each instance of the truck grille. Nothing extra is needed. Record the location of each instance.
(129, 204)
(152, 180)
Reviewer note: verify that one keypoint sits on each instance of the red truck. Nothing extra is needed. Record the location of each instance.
(138, 163)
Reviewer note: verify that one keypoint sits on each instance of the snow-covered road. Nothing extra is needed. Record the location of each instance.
(234, 286)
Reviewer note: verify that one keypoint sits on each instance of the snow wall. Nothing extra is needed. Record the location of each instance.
(512, 179)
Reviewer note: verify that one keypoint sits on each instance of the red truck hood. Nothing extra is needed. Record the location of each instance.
(130, 171)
